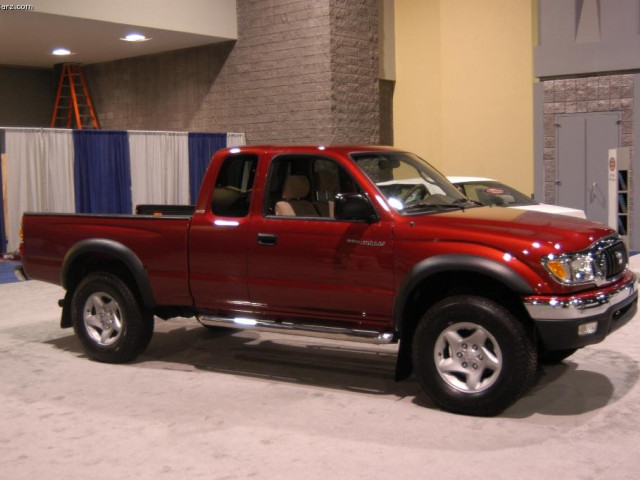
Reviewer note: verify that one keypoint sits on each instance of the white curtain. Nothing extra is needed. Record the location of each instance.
(40, 171)
(58, 153)
(39, 175)
(159, 167)
(236, 140)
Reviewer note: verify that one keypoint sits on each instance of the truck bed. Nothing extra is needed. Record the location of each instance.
(160, 243)
(162, 210)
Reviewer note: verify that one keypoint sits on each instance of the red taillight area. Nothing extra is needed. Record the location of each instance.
(21, 243)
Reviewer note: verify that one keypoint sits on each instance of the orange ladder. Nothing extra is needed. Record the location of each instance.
(72, 101)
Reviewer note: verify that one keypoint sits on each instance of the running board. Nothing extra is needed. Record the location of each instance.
(309, 330)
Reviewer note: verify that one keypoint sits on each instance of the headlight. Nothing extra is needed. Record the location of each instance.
(604, 261)
(572, 269)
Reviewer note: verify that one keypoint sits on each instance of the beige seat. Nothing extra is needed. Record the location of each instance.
(294, 201)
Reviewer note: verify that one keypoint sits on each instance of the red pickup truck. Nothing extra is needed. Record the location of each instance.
(355, 243)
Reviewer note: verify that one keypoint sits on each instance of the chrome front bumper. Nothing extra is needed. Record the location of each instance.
(569, 308)
(559, 318)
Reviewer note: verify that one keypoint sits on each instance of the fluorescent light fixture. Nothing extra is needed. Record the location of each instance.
(61, 51)
(135, 37)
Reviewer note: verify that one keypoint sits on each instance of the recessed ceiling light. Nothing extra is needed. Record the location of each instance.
(135, 37)
(61, 51)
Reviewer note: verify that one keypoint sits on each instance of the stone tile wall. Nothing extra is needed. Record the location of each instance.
(155, 92)
(355, 85)
(26, 96)
(300, 71)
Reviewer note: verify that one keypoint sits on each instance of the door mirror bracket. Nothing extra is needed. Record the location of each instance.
(354, 207)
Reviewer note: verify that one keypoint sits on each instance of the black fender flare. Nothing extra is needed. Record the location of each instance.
(117, 250)
(457, 262)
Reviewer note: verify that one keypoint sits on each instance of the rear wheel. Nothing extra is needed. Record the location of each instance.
(109, 321)
(473, 356)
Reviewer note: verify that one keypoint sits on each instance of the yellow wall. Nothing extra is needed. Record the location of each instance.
(464, 86)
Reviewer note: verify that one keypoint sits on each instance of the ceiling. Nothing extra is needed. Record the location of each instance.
(27, 40)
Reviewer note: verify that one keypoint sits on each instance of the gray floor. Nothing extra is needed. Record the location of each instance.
(209, 405)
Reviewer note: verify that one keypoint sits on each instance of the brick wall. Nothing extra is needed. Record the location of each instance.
(275, 85)
(300, 71)
(26, 97)
(155, 92)
(354, 71)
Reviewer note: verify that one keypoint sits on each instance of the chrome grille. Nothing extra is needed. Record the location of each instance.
(611, 258)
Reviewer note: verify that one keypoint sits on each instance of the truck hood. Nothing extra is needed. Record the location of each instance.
(510, 230)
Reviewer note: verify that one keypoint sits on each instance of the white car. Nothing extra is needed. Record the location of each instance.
(492, 192)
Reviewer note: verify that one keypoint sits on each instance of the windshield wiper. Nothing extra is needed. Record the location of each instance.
(434, 206)
(468, 201)
(458, 204)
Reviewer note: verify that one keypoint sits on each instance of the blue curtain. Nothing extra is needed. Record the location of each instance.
(102, 171)
(202, 146)
(3, 234)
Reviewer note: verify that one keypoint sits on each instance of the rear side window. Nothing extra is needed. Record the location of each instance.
(234, 186)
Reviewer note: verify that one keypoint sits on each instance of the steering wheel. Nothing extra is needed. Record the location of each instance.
(417, 193)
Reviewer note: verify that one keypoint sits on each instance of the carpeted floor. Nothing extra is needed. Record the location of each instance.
(205, 404)
(6, 272)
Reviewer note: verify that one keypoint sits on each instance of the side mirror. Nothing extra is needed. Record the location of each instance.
(354, 207)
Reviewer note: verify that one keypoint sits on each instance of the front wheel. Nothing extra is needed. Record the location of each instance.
(109, 321)
(473, 356)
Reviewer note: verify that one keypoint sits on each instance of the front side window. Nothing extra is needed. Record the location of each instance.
(234, 185)
(409, 183)
(305, 186)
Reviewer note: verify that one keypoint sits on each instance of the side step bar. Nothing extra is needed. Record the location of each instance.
(309, 330)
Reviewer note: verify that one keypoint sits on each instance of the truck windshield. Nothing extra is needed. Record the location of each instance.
(409, 183)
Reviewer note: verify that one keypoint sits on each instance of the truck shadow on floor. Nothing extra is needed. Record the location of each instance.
(587, 382)
(591, 379)
(284, 358)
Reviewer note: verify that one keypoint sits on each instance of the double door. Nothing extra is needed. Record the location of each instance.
(582, 145)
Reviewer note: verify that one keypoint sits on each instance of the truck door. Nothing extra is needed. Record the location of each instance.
(219, 238)
(303, 262)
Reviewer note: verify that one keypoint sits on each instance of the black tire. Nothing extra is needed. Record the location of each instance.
(109, 321)
(473, 356)
(553, 357)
